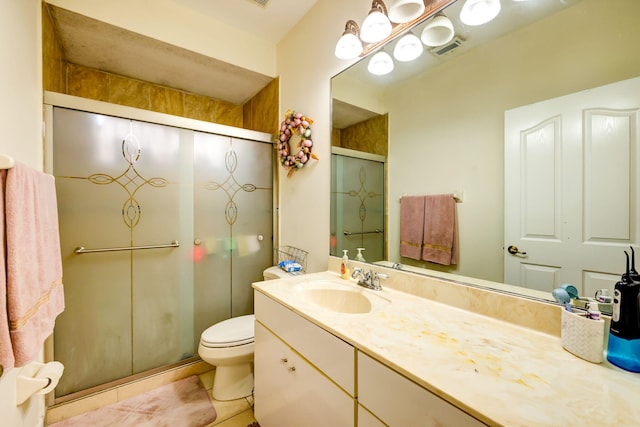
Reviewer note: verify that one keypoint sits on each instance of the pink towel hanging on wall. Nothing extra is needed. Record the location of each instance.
(440, 242)
(32, 288)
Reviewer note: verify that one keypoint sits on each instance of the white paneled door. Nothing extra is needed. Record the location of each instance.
(572, 191)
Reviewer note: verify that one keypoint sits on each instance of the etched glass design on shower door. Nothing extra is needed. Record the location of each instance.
(233, 194)
(117, 183)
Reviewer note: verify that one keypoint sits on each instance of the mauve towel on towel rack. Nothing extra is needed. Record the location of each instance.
(411, 226)
(31, 287)
(440, 243)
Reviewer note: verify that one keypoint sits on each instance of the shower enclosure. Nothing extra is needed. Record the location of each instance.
(357, 204)
(163, 230)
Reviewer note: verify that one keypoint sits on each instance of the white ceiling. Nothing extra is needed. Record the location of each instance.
(103, 46)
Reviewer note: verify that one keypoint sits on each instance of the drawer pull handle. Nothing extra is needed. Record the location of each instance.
(292, 368)
(283, 360)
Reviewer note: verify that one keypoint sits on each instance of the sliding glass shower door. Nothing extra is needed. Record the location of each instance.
(157, 212)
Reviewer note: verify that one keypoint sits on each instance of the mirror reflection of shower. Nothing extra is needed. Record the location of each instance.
(357, 204)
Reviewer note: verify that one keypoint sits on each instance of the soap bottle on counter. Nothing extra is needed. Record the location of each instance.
(345, 271)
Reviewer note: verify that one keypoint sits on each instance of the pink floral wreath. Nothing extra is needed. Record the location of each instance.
(298, 126)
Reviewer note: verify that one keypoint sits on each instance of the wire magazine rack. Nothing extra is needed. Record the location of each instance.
(286, 253)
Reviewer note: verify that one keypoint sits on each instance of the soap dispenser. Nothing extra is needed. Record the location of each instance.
(624, 334)
(359, 256)
(345, 271)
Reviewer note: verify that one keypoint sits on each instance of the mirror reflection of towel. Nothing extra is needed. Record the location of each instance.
(411, 226)
(440, 241)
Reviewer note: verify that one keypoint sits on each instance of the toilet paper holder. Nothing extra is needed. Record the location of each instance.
(37, 378)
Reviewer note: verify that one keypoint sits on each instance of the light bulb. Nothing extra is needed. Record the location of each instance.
(408, 48)
(376, 25)
(402, 11)
(478, 12)
(380, 64)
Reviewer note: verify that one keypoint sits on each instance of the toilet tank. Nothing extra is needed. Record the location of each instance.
(275, 272)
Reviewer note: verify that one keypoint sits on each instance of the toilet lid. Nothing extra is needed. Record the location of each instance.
(229, 333)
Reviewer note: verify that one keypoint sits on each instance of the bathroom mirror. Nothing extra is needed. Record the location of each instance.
(446, 115)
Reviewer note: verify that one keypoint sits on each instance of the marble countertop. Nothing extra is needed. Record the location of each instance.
(501, 373)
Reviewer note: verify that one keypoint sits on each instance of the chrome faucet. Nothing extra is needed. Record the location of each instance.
(369, 279)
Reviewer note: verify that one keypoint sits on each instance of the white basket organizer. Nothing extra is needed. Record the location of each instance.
(582, 336)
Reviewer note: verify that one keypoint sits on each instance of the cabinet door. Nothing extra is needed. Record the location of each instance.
(290, 392)
(331, 355)
(398, 401)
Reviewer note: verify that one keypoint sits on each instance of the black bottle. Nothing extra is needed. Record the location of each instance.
(624, 333)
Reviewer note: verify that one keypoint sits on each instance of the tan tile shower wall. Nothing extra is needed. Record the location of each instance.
(53, 57)
(259, 113)
(370, 136)
(94, 84)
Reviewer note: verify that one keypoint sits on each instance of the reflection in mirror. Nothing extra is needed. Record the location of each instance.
(358, 185)
(447, 111)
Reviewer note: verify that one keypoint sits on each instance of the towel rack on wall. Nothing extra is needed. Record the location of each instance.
(458, 196)
(83, 250)
(348, 233)
(6, 162)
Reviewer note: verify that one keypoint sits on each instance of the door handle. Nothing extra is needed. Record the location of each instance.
(513, 250)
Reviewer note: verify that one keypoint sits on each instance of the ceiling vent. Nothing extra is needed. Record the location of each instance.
(262, 3)
(448, 48)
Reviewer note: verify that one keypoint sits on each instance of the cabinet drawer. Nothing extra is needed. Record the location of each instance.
(327, 352)
(400, 402)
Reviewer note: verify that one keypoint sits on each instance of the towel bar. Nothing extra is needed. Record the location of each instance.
(348, 233)
(83, 250)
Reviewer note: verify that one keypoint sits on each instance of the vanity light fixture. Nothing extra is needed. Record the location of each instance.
(380, 64)
(349, 45)
(408, 48)
(376, 25)
(478, 12)
(402, 11)
(439, 31)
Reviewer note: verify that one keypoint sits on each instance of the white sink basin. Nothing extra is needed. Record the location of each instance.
(340, 297)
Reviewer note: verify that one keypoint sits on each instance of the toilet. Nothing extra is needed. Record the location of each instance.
(228, 345)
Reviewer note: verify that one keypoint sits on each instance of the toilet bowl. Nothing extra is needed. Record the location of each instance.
(228, 345)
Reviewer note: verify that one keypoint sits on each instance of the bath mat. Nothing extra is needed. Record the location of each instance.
(183, 403)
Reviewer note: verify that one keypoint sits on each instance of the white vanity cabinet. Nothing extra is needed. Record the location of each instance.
(304, 376)
(398, 401)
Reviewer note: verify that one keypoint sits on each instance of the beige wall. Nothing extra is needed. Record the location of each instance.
(21, 118)
(305, 86)
(455, 141)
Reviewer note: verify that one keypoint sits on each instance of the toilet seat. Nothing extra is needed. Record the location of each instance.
(230, 333)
